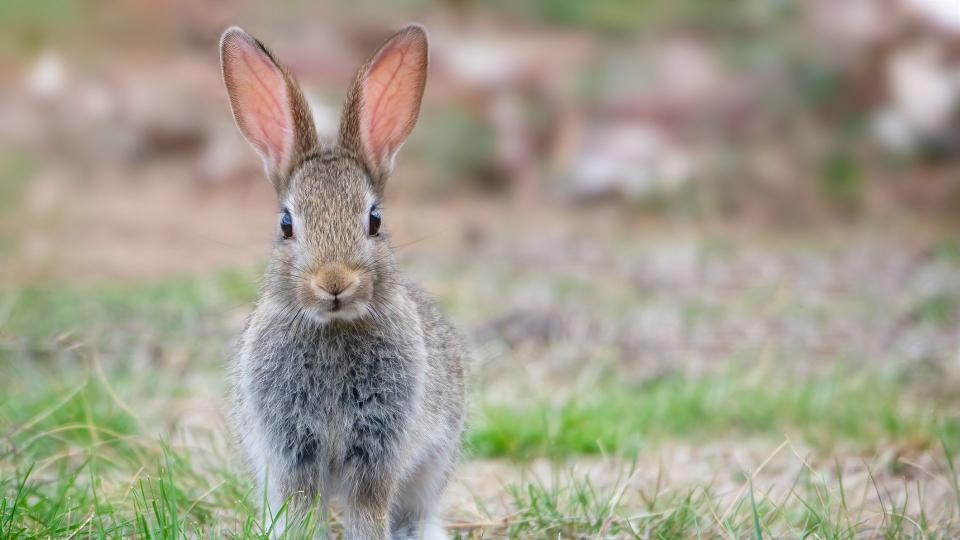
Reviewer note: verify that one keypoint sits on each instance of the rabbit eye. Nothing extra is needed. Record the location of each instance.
(286, 224)
(373, 226)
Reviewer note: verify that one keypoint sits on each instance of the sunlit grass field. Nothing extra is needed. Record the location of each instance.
(113, 407)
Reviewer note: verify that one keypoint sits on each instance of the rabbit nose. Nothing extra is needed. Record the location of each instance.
(334, 282)
(335, 290)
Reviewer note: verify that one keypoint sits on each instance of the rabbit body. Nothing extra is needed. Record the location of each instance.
(368, 412)
(349, 383)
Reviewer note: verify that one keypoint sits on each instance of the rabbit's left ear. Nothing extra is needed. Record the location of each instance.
(267, 104)
(384, 102)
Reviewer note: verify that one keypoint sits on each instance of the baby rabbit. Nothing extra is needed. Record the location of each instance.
(349, 382)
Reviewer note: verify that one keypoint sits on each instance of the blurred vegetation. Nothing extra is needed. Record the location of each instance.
(841, 182)
(627, 17)
(601, 336)
(807, 114)
(868, 410)
(86, 441)
(167, 309)
(15, 170)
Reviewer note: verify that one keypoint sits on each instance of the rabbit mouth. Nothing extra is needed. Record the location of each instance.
(335, 310)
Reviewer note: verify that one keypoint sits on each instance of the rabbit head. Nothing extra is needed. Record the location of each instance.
(331, 258)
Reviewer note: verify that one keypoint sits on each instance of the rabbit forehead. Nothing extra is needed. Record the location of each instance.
(330, 183)
(329, 196)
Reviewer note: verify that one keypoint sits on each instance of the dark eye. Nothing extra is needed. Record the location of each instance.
(373, 226)
(286, 224)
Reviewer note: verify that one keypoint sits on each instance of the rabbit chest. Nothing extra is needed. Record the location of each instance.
(335, 400)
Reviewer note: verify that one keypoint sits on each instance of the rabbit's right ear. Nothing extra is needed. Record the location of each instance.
(267, 104)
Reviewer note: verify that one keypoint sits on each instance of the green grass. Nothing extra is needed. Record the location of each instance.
(627, 16)
(171, 308)
(867, 410)
(79, 464)
(92, 443)
(84, 451)
(15, 169)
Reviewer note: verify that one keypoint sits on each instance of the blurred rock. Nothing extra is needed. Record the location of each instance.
(944, 14)
(924, 97)
(628, 159)
(854, 23)
(47, 76)
(520, 85)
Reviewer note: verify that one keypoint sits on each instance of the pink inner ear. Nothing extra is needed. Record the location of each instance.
(258, 94)
(392, 91)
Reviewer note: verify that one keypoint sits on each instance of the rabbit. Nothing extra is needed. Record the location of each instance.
(348, 384)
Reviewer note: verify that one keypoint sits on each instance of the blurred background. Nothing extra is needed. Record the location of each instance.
(759, 113)
(683, 238)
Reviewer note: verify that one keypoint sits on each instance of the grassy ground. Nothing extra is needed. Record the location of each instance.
(698, 386)
(630, 379)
